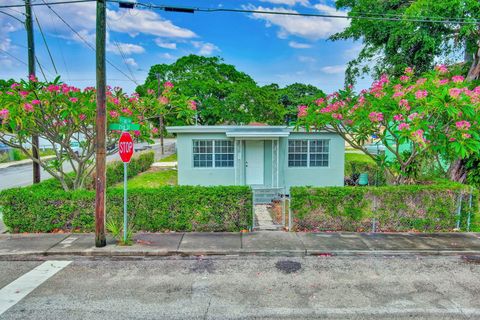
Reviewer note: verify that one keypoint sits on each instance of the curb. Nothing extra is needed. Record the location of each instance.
(21, 162)
(96, 253)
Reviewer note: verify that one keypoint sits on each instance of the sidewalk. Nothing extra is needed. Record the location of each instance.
(268, 243)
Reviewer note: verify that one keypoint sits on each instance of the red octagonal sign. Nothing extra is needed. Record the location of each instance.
(125, 147)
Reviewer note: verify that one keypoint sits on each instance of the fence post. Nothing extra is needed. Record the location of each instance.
(289, 214)
(469, 209)
(459, 209)
(284, 195)
(253, 210)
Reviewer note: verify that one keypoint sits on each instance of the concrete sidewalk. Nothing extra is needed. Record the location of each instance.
(255, 243)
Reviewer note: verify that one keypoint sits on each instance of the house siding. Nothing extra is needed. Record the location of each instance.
(188, 175)
(332, 175)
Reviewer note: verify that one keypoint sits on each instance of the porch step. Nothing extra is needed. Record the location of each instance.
(265, 195)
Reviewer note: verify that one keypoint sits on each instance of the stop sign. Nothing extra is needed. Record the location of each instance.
(125, 147)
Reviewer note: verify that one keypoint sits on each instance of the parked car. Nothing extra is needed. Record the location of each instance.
(375, 148)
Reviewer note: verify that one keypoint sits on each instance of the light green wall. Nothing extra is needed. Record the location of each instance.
(313, 176)
(332, 175)
(188, 175)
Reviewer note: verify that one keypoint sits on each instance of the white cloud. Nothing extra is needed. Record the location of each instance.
(313, 28)
(306, 59)
(299, 45)
(8, 25)
(205, 48)
(168, 56)
(124, 48)
(148, 22)
(288, 2)
(335, 69)
(131, 62)
(352, 52)
(165, 45)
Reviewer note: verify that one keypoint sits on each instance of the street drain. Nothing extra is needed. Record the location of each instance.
(471, 259)
(288, 266)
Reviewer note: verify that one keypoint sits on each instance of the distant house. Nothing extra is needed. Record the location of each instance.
(264, 157)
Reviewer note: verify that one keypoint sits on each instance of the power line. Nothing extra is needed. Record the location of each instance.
(124, 57)
(366, 16)
(86, 42)
(43, 4)
(12, 56)
(46, 44)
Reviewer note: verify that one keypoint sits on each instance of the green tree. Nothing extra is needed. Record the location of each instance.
(295, 95)
(392, 45)
(223, 94)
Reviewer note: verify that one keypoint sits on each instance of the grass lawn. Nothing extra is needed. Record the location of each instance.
(152, 179)
(358, 157)
(170, 158)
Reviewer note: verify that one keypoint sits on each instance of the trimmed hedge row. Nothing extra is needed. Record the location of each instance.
(179, 208)
(426, 208)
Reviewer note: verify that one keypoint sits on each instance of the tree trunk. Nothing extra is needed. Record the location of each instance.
(474, 72)
(457, 171)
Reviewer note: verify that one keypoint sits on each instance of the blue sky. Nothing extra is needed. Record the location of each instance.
(272, 49)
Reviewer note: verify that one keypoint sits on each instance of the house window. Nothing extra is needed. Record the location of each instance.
(297, 153)
(308, 153)
(213, 153)
(319, 153)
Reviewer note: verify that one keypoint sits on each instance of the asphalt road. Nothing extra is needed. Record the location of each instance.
(19, 176)
(250, 288)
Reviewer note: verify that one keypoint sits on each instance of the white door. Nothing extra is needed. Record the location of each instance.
(254, 162)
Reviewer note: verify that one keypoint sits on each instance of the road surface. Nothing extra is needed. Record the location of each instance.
(322, 287)
(19, 176)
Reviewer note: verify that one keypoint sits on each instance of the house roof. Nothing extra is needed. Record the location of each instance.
(247, 131)
(239, 131)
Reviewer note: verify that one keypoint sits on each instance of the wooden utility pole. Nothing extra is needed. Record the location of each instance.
(101, 127)
(160, 118)
(31, 71)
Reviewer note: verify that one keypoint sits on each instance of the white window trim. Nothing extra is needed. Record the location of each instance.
(308, 154)
(213, 154)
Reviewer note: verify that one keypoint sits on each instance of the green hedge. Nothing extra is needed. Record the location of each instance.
(137, 165)
(426, 208)
(179, 208)
(356, 163)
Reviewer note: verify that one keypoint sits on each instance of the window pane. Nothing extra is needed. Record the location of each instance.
(297, 153)
(202, 153)
(319, 153)
(224, 153)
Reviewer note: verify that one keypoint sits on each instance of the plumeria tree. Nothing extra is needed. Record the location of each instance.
(167, 103)
(65, 116)
(435, 116)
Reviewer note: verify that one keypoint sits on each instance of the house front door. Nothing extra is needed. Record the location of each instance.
(254, 162)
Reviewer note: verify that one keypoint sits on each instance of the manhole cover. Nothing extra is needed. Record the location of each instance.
(288, 266)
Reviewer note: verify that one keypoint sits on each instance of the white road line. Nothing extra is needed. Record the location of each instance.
(12, 293)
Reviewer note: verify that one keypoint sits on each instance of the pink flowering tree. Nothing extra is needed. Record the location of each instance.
(64, 116)
(436, 116)
(168, 103)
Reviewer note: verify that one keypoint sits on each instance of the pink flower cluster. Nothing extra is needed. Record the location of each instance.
(302, 111)
(404, 103)
(4, 113)
(458, 79)
(155, 130)
(375, 116)
(28, 107)
(337, 116)
(442, 69)
(403, 126)
(168, 85)
(192, 105)
(398, 117)
(463, 125)
(113, 114)
(420, 94)
(163, 100)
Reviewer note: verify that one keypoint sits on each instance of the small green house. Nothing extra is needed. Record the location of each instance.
(263, 157)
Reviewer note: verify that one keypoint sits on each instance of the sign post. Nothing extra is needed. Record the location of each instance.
(125, 150)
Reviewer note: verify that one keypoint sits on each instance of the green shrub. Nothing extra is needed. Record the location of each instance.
(356, 163)
(426, 208)
(179, 208)
(137, 165)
